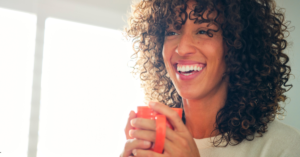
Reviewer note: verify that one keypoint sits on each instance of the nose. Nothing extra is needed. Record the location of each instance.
(185, 45)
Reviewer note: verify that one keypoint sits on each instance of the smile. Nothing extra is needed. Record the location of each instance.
(188, 71)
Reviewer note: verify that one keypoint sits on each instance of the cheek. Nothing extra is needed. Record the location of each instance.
(164, 54)
(217, 51)
(221, 65)
(215, 55)
(167, 57)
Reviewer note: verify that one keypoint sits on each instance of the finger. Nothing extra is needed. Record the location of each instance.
(173, 136)
(128, 127)
(145, 153)
(135, 144)
(142, 123)
(175, 142)
(143, 135)
(170, 148)
(171, 115)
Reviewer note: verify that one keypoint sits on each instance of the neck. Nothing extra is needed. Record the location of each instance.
(200, 114)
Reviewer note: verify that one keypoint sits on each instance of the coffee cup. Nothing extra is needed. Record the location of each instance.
(161, 124)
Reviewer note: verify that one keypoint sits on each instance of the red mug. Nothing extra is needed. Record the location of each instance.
(161, 124)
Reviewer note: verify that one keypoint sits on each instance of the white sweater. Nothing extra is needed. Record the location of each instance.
(279, 141)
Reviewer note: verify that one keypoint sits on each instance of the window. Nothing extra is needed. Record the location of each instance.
(87, 91)
(17, 32)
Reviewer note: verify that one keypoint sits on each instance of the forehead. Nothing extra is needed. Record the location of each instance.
(194, 11)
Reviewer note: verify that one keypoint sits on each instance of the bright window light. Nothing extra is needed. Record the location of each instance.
(17, 40)
(87, 91)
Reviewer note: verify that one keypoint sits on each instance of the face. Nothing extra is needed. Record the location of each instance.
(195, 61)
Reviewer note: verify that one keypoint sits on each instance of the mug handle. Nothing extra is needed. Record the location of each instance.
(160, 133)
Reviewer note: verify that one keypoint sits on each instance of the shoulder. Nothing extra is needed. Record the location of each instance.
(280, 132)
(287, 136)
(280, 140)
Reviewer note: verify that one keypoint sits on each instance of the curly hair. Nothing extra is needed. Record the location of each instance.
(254, 32)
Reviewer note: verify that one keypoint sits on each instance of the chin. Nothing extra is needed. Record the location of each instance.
(189, 94)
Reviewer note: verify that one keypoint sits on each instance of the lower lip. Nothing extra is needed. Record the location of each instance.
(189, 77)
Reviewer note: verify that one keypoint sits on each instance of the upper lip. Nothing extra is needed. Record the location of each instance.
(187, 62)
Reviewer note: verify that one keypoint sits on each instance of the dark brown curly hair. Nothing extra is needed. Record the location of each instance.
(254, 32)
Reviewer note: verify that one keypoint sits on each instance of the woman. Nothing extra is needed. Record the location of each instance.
(222, 61)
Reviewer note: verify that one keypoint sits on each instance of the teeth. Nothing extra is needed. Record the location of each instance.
(185, 68)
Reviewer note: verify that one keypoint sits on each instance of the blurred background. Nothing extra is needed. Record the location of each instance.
(66, 87)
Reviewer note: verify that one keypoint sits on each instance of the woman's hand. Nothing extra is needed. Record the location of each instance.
(178, 143)
(131, 142)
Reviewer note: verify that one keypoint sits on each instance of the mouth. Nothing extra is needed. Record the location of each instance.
(188, 71)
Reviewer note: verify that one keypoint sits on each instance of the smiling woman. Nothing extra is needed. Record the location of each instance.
(223, 63)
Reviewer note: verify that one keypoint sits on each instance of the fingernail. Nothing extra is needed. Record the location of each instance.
(131, 132)
(134, 152)
(147, 143)
(151, 103)
(130, 113)
(133, 121)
